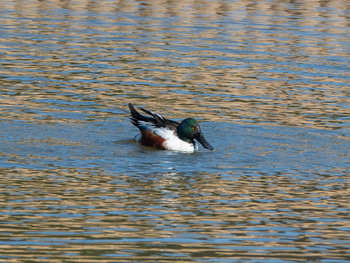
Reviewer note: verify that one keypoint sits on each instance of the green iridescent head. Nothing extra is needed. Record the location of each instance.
(189, 130)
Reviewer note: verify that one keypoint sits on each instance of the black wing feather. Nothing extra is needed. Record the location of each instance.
(155, 120)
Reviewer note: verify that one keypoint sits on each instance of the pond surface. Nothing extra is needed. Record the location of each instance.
(269, 82)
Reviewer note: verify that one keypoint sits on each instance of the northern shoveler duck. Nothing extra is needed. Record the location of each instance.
(165, 134)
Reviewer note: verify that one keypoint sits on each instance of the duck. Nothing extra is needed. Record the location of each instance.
(164, 134)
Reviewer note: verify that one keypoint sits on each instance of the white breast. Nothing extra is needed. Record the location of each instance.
(173, 142)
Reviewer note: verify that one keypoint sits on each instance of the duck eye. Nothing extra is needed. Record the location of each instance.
(193, 128)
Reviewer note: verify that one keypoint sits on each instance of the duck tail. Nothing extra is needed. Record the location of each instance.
(134, 113)
(137, 119)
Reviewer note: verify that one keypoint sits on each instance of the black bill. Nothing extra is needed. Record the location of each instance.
(200, 138)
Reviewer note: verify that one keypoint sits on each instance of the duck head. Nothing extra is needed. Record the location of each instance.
(189, 130)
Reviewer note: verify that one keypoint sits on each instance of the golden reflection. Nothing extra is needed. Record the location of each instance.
(202, 59)
(62, 208)
(268, 62)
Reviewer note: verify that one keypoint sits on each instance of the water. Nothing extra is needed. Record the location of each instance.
(269, 82)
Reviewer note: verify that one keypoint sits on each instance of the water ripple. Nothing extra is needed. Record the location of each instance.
(269, 82)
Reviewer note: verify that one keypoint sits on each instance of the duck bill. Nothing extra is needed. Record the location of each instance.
(200, 138)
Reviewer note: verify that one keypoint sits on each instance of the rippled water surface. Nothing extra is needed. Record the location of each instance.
(269, 82)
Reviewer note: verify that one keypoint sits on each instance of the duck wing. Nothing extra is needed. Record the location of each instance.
(154, 121)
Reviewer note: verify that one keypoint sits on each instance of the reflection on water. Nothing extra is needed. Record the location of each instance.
(270, 81)
(91, 215)
(270, 62)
